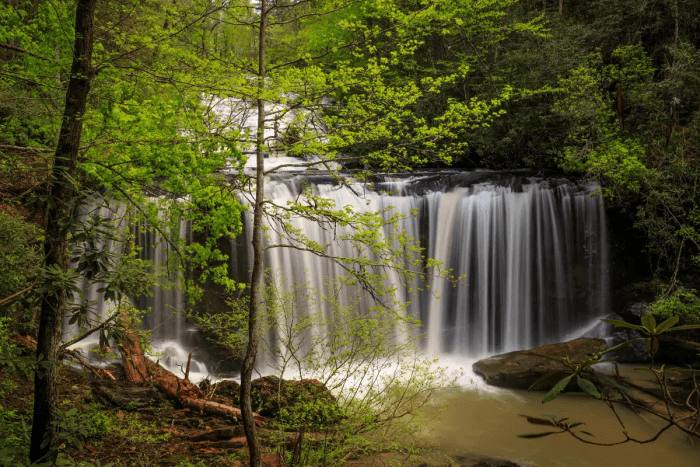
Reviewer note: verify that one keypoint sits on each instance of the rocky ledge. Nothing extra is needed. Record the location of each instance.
(519, 370)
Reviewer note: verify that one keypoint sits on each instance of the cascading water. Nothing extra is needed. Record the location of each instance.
(533, 249)
(534, 252)
(171, 337)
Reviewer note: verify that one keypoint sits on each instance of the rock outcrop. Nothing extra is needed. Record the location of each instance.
(519, 370)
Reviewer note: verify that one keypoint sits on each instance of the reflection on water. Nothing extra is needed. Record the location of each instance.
(487, 422)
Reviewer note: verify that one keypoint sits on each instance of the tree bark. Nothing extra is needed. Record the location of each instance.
(256, 283)
(138, 369)
(55, 245)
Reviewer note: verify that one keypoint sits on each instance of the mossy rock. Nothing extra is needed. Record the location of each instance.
(295, 403)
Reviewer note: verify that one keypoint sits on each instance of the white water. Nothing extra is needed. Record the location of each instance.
(170, 335)
(534, 253)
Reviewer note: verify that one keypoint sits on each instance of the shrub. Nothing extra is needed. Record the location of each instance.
(683, 303)
(20, 259)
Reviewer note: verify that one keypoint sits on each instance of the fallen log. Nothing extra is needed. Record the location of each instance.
(95, 370)
(26, 342)
(139, 369)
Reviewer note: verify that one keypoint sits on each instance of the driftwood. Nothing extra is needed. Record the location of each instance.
(139, 369)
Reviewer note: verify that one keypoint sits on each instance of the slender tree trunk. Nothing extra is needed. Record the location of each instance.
(675, 17)
(561, 10)
(618, 104)
(256, 284)
(61, 190)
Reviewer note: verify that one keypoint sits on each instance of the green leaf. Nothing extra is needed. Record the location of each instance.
(649, 322)
(614, 384)
(652, 345)
(587, 387)
(538, 435)
(556, 390)
(685, 327)
(666, 324)
(622, 345)
(539, 421)
(540, 383)
(623, 324)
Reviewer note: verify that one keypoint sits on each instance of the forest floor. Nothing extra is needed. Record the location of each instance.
(168, 435)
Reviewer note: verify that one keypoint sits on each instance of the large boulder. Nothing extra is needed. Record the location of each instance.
(519, 370)
(636, 352)
(633, 311)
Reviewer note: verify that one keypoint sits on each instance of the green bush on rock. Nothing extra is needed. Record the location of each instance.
(683, 303)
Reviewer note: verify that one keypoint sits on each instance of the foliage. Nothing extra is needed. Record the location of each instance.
(15, 436)
(579, 368)
(581, 371)
(358, 378)
(20, 262)
(683, 303)
(596, 145)
(14, 360)
(72, 427)
(606, 89)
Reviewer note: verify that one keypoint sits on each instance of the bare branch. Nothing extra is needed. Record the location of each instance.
(16, 48)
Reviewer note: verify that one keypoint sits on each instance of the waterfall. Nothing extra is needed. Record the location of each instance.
(171, 337)
(534, 252)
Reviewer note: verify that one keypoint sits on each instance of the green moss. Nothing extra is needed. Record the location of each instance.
(684, 303)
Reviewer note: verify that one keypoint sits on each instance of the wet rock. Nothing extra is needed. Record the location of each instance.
(633, 312)
(519, 370)
(127, 395)
(636, 352)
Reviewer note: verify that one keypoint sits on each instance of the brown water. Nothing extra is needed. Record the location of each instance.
(487, 422)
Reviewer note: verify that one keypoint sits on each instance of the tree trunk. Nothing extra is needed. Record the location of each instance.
(256, 283)
(675, 17)
(55, 245)
(561, 10)
(138, 369)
